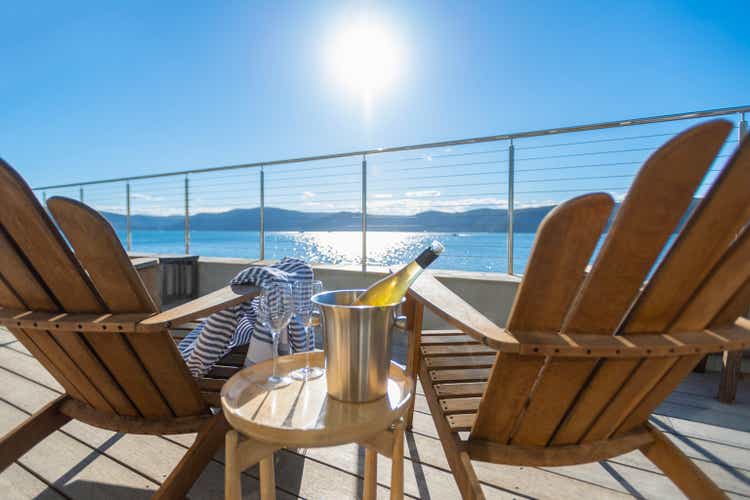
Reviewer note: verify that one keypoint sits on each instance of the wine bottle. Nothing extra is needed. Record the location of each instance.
(390, 289)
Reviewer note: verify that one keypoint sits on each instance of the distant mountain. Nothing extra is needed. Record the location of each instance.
(525, 220)
(277, 219)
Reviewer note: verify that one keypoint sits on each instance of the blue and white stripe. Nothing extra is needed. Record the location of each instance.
(238, 325)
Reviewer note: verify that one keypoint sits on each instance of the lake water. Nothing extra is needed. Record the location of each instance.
(463, 251)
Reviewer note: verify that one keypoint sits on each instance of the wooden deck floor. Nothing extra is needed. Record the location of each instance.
(81, 462)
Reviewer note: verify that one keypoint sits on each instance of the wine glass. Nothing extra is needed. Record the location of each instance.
(302, 291)
(275, 308)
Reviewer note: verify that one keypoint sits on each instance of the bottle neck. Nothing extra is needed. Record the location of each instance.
(426, 258)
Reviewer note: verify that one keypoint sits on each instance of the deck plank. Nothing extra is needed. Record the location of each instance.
(17, 483)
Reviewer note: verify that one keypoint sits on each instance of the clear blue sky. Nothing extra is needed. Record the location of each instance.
(107, 89)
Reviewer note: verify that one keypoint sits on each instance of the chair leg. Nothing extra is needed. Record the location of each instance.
(730, 373)
(460, 463)
(473, 480)
(232, 472)
(28, 433)
(415, 312)
(267, 478)
(397, 461)
(210, 438)
(369, 491)
(693, 482)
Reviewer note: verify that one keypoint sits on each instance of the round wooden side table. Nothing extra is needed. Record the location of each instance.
(302, 415)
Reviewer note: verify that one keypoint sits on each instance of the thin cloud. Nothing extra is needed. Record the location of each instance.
(147, 197)
(422, 194)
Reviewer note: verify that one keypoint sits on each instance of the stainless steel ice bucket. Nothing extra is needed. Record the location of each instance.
(357, 345)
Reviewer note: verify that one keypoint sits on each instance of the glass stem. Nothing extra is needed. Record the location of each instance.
(308, 330)
(275, 336)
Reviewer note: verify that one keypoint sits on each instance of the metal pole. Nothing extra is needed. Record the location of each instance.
(44, 197)
(743, 126)
(128, 234)
(187, 216)
(262, 232)
(364, 213)
(511, 202)
(80, 194)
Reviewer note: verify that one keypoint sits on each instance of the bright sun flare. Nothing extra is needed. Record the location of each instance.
(366, 58)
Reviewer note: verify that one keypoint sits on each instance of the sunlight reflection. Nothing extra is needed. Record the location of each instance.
(383, 248)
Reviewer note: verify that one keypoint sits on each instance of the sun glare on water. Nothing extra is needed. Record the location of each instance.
(383, 248)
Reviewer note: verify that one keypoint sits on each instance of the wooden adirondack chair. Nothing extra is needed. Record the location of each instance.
(87, 318)
(587, 356)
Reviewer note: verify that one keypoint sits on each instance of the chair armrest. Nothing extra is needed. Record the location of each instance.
(637, 345)
(442, 301)
(215, 301)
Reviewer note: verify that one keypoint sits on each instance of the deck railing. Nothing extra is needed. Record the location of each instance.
(506, 176)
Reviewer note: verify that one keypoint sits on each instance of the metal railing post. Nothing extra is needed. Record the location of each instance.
(262, 229)
(44, 198)
(511, 203)
(128, 234)
(80, 194)
(187, 216)
(364, 213)
(742, 128)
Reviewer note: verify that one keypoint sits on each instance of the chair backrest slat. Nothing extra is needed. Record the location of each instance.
(718, 288)
(168, 370)
(715, 294)
(47, 363)
(704, 240)
(735, 307)
(596, 394)
(640, 382)
(71, 369)
(42, 245)
(100, 252)
(500, 407)
(8, 297)
(77, 349)
(658, 393)
(564, 244)
(555, 391)
(21, 279)
(565, 241)
(125, 366)
(659, 196)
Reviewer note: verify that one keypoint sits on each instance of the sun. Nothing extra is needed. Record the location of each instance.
(366, 58)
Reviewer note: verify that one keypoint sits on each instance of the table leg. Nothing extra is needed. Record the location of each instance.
(267, 479)
(371, 474)
(232, 481)
(397, 461)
